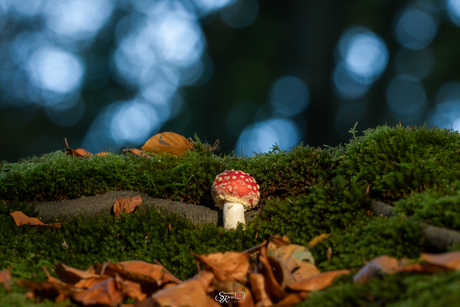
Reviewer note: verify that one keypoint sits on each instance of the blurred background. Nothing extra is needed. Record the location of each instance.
(111, 74)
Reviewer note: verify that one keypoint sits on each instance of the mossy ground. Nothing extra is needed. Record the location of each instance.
(305, 192)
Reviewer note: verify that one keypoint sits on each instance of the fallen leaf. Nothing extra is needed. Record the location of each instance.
(294, 261)
(79, 152)
(192, 292)
(318, 239)
(329, 253)
(64, 244)
(5, 278)
(106, 291)
(450, 260)
(232, 293)
(126, 204)
(273, 287)
(232, 265)
(21, 219)
(72, 275)
(168, 142)
(257, 282)
(317, 282)
(385, 264)
(141, 271)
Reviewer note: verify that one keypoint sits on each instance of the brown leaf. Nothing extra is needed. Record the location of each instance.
(168, 142)
(294, 261)
(53, 289)
(272, 286)
(192, 292)
(72, 275)
(79, 152)
(232, 265)
(126, 204)
(233, 293)
(318, 239)
(140, 271)
(20, 219)
(317, 282)
(257, 282)
(450, 260)
(106, 291)
(131, 289)
(329, 253)
(385, 263)
(5, 278)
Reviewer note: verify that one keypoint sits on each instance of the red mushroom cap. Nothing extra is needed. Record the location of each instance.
(235, 186)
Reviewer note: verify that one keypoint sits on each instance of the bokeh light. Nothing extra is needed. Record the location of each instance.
(453, 10)
(362, 58)
(289, 96)
(56, 70)
(240, 14)
(405, 95)
(415, 28)
(260, 137)
(446, 112)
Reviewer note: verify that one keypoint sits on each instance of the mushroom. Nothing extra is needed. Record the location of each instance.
(235, 192)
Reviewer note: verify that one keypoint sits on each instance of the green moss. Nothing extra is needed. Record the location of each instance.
(304, 192)
(439, 206)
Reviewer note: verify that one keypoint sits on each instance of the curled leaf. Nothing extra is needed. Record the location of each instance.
(168, 142)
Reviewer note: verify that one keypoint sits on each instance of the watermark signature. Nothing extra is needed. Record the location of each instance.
(226, 297)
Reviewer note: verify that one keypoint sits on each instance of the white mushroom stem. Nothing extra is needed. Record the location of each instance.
(233, 214)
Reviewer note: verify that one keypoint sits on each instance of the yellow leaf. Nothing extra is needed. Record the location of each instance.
(168, 142)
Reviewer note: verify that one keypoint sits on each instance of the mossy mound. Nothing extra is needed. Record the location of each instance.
(304, 192)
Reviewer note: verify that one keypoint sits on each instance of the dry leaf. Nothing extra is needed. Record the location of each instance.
(79, 152)
(126, 204)
(317, 282)
(450, 260)
(385, 263)
(318, 239)
(64, 244)
(273, 287)
(5, 278)
(168, 142)
(72, 275)
(21, 219)
(261, 297)
(295, 263)
(232, 265)
(192, 292)
(106, 291)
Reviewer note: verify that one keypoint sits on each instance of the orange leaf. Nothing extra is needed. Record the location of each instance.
(450, 260)
(230, 265)
(71, 275)
(79, 152)
(5, 278)
(385, 263)
(126, 204)
(102, 153)
(20, 219)
(192, 292)
(317, 282)
(257, 282)
(168, 142)
(107, 291)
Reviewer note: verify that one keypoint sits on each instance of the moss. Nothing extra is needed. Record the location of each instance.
(305, 192)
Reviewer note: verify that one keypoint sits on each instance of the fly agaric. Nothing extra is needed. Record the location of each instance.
(235, 192)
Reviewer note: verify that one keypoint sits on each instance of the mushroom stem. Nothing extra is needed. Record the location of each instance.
(233, 214)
